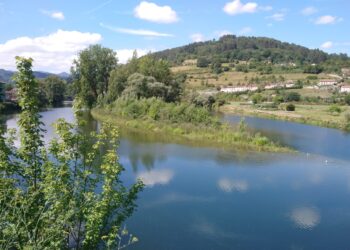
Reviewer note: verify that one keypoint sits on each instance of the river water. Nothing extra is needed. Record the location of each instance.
(210, 198)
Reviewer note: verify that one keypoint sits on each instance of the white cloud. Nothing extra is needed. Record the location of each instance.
(245, 31)
(265, 8)
(327, 45)
(236, 7)
(54, 14)
(124, 55)
(327, 19)
(54, 52)
(277, 17)
(305, 217)
(156, 177)
(197, 37)
(136, 32)
(155, 13)
(308, 11)
(228, 185)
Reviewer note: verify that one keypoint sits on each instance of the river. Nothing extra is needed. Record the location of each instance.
(209, 198)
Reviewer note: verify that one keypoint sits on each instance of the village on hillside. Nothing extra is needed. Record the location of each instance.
(336, 83)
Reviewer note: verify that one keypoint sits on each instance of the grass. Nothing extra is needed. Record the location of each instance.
(224, 136)
(318, 115)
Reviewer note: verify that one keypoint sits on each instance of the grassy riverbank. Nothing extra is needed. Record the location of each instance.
(209, 132)
(318, 115)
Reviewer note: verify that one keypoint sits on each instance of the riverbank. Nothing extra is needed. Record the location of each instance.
(317, 115)
(224, 136)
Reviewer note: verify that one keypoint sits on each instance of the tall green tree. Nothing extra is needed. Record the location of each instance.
(54, 89)
(91, 72)
(64, 195)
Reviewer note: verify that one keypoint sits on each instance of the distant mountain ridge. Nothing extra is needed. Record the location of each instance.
(6, 75)
(230, 47)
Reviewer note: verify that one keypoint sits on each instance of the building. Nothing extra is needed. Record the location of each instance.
(274, 86)
(239, 89)
(11, 95)
(2, 91)
(345, 89)
(327, 83)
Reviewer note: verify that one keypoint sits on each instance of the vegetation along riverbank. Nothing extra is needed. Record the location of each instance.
(183, 123)
(145, 94)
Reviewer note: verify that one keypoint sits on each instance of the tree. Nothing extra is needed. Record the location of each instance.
(55, 89)
(347, 99)
(257, 98)
(216, 66)
(159, 69)
(117, 83)
(91, 72)
(292, 97)
(290, 107)
(202, 62)
(313, 69)
(48, 194)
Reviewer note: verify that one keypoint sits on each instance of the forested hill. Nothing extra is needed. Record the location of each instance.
(6, 75)
(229, 48)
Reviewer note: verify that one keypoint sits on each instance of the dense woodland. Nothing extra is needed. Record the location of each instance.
(230, 48)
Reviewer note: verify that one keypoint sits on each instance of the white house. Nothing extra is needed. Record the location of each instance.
(239, 89)
(274, 86)
(327, 82)
(345, 89)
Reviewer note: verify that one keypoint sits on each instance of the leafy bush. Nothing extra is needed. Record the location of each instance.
(156, 109)
(347, 99)
(203, 62)
(292, 97)
(335, 109)
(290, 107)
(242, 68)
(257, 98)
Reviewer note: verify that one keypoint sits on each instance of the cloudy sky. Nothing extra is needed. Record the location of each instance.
(53, 31)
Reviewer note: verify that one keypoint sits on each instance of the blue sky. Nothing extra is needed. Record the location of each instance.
(52, 32)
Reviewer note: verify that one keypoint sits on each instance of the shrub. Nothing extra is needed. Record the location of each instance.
(257, 98)
(292, 97)
(157, 109)
(290, 107)
(335, 109)
(347, 99)
(202, 62)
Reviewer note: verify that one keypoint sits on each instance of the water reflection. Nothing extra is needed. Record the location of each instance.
(228, 185)
(305, 217)
(306, 138)
(209, 229)
(177, 198)
(156, 177)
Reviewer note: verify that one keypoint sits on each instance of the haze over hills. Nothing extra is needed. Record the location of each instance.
(6, 75)
(231, 47)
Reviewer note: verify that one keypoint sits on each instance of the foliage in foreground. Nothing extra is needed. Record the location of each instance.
(65, 196)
